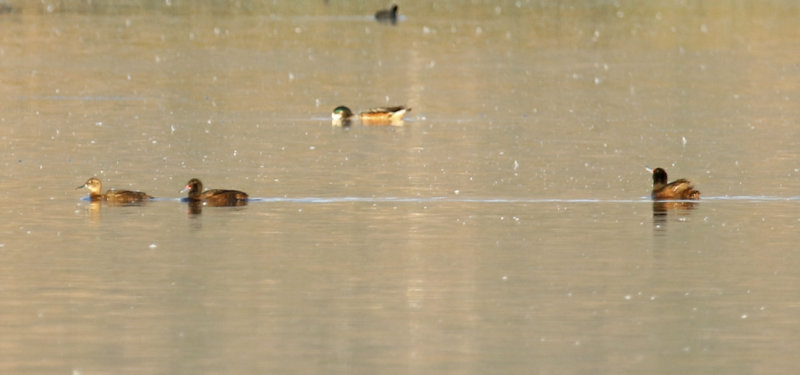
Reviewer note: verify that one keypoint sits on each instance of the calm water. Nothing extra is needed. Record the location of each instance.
(504, 229)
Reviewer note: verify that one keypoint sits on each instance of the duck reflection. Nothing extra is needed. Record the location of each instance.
(195, 207)
(94, 210)
(95, 207)
(662, 207)
(662, 210)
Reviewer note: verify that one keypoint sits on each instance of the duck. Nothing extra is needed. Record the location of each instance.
(680, 189)
(95, 187)
(387, 15)
(374, 116)
(214, 197)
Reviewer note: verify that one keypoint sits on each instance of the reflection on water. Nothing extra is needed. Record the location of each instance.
(504, 226)
(660, 208)
(677, 209)
(196, 207)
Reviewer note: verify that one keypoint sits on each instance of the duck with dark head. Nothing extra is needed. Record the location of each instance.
(214, 197)
(342, 115)
(680, 189)
(95, 188)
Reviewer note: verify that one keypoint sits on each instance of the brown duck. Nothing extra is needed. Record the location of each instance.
(214, 197)
(95, 188)
(680, 189)
(375, 116)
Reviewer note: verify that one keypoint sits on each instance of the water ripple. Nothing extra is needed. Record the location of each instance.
(501, 200)
(317, 200)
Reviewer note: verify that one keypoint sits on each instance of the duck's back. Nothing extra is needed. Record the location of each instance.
(678, 189)
(385, 113)
(126, 196)
(222, 197)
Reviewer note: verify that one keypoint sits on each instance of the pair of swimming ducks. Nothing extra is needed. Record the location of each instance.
(680, 189)
(211, 197)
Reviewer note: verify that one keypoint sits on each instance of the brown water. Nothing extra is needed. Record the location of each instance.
(504, 229)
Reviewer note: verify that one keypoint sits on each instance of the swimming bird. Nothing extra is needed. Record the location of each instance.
(214, 197)
(95, 188)
(375, 116)
(387, 15)
(680, 189)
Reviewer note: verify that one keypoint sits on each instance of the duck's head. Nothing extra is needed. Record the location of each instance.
(194, 187)
(341, 113)
(93, 185)
(659, 176)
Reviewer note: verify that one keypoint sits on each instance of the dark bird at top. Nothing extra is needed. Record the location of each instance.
(387, 15)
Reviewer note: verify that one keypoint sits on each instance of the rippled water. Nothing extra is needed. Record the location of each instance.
(505, 228)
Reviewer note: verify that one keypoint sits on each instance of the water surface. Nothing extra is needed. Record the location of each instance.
(504, 228)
